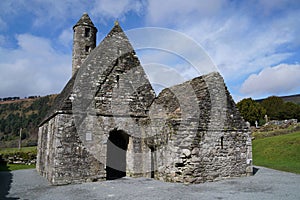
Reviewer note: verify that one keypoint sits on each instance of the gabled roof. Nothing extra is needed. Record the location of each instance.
(98, 65)
(113, 57)
(204, 99)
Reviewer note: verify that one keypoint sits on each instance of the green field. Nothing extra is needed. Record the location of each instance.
(279, 152)
(15, 150)
(11, 151)
(11, 167)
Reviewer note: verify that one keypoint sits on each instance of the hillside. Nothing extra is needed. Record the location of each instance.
(291, 98)
(23, 114)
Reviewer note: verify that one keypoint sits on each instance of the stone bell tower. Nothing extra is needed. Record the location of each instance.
(84, 40)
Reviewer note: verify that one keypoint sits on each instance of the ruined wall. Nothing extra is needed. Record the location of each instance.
(203, 143)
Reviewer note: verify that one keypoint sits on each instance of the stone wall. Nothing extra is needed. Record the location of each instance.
(84, 41)
(203, 143)
(184, 138)
(62, 158)
(191, 132)
(95, 131)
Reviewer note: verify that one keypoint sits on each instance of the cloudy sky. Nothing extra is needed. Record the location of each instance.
(254, 44)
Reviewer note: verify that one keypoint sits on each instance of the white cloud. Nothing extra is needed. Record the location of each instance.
(241, 38)
(59, 12)
(66, 37)
(240, 46)
(115, 9)
(162, 75)
(171, 11)
(56, 14)
(238, 38)
(172, 48)
(43, 13)
(278, 80)
(34, 68)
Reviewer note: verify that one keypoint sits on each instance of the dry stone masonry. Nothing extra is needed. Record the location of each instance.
(108, 123)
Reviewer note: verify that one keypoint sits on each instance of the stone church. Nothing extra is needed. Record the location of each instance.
(108, 122)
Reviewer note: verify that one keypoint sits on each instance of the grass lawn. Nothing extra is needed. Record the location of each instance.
(15, 150)
(279, 152)
(11, 167)
(12, 151)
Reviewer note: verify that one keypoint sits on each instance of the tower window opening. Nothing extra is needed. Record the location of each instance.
(118, 78)
(222, 138)
(87, 32)
(87, 49)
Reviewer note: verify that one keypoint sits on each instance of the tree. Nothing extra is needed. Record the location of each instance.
(251, 110)
(274, 106)
(290, 111)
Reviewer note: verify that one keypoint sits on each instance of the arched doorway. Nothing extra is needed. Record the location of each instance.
(116, 154)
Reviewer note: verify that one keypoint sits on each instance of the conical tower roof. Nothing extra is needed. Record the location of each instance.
(85, 20)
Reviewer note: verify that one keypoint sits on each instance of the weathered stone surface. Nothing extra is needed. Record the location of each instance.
(84, 41)
(190, 133)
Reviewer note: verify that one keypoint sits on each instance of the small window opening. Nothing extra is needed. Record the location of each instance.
(87, 48)
(118, 78)
(222, 138)
(87, 32)
(152, 162)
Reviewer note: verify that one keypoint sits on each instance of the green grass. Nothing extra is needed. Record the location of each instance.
(15, 150)
(11, 151)
(278, 152)
(11, 167)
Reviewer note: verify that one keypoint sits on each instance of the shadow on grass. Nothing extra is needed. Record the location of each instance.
(6, 178)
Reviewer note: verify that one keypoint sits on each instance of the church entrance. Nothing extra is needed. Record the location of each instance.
(116, 154)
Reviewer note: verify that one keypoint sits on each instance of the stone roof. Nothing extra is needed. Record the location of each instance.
(85, 20)
(204, 98)
(95, 69)
(113, 57)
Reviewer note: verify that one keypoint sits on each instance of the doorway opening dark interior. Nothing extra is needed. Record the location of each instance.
(117, 144)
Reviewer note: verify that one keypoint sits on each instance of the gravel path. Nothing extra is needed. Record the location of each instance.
(266, 184)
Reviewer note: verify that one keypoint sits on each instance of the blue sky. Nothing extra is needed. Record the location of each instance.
(255, 44)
